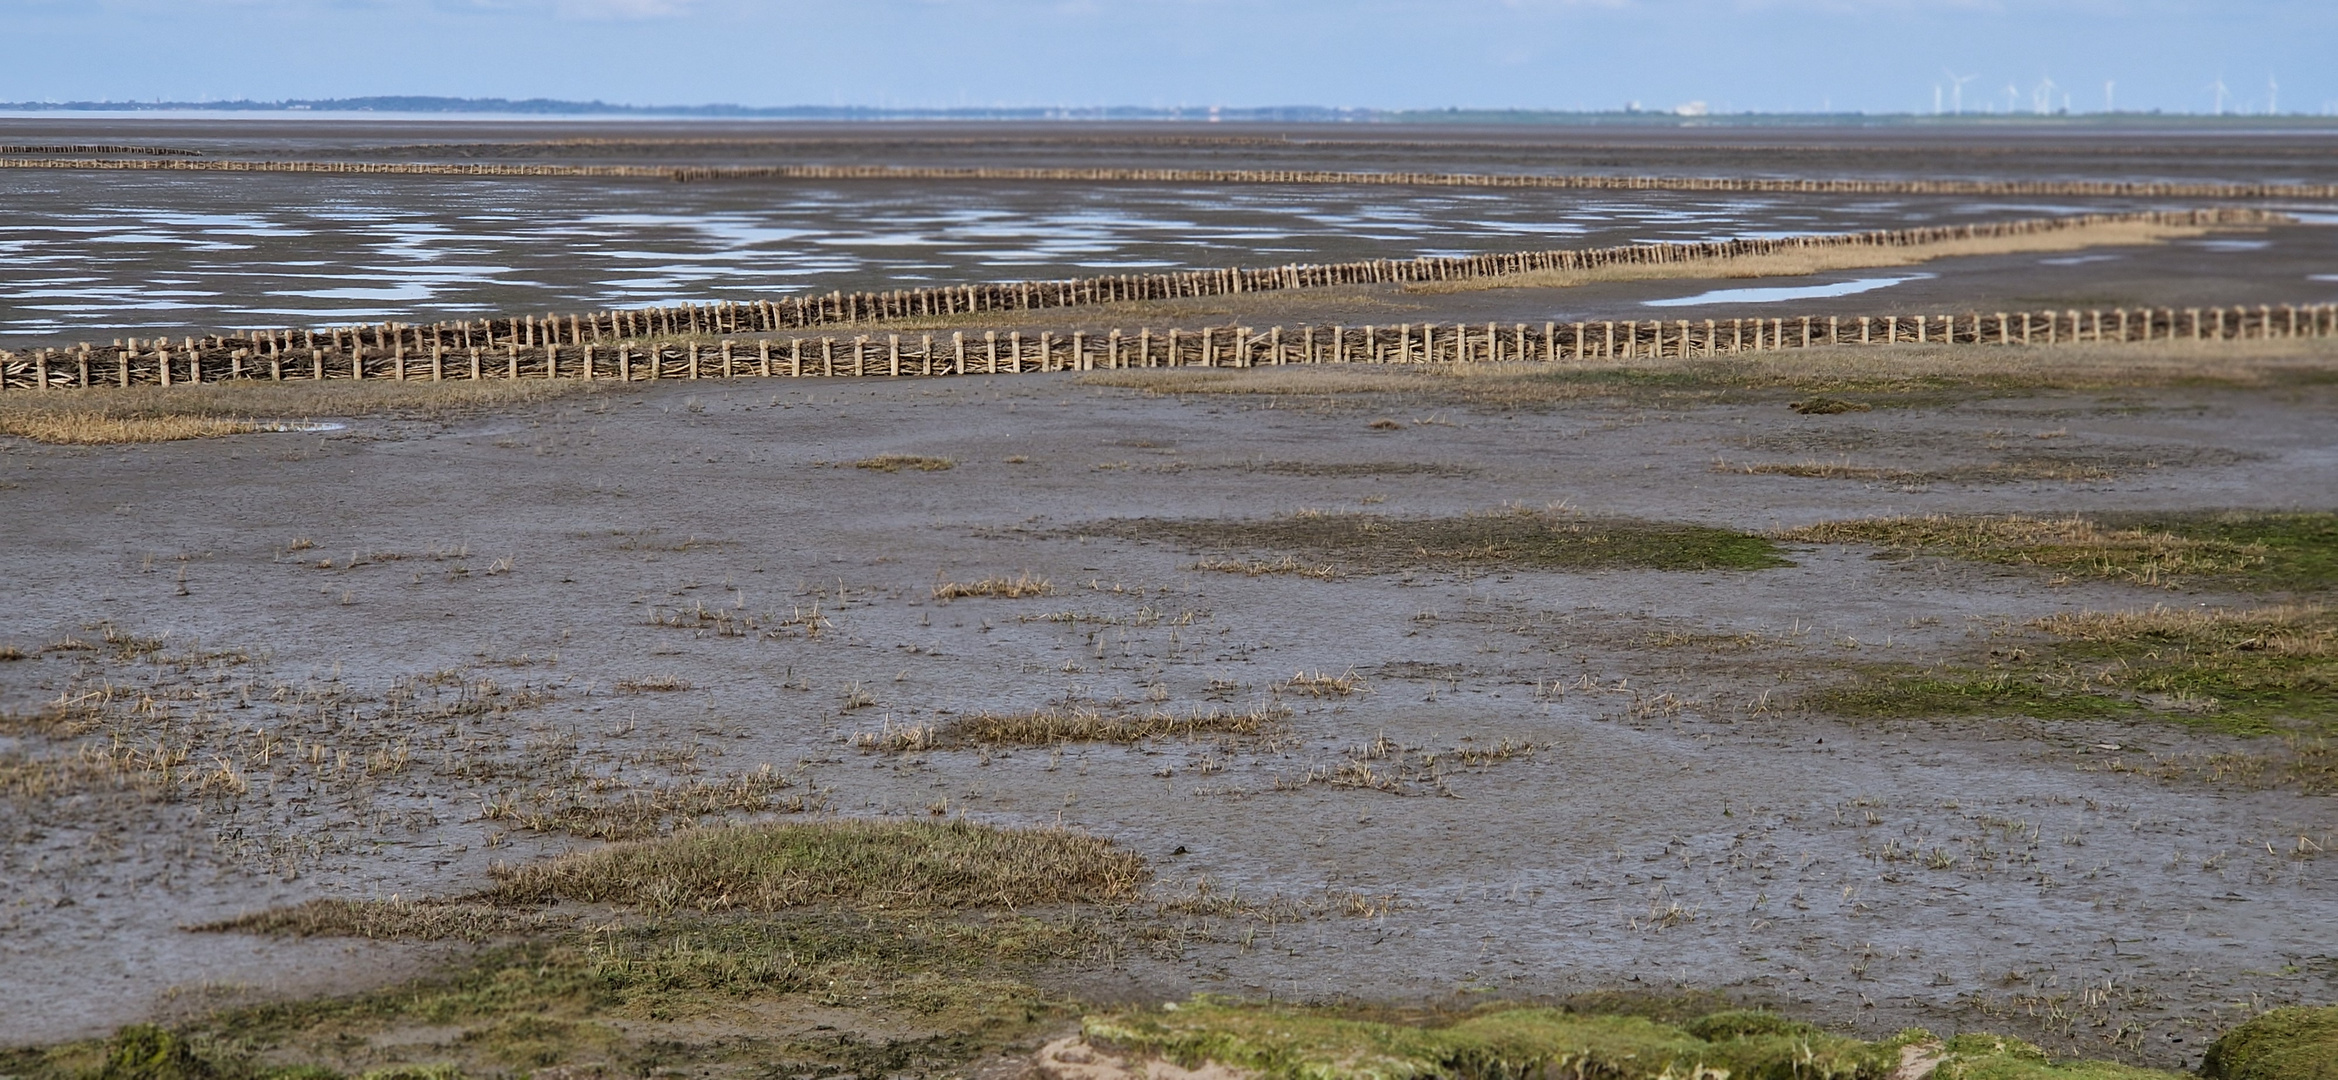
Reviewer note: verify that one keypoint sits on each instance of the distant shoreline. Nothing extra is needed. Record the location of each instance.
(501, 109)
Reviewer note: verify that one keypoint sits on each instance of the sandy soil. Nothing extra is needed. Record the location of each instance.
(1678, 823)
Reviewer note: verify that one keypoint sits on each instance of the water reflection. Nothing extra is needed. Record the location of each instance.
(92, 256)
(1775, 293)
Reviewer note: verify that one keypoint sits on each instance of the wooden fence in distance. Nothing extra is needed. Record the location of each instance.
(1218, 347)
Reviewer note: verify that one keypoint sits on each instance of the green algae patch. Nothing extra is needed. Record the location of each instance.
(2297, 1043)
(1511, 539)
(2294, 552)
(2257, 671)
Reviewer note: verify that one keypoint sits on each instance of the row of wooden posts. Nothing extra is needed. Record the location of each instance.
(2140, 189)
(847, 309)
(1232, 346)
(95, 148)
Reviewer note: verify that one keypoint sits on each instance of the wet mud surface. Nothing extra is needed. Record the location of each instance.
(1554, 781)
(97, 255)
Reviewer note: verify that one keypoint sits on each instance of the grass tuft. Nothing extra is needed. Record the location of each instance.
(1288, 564)
(392, 919)
(897, 462)
(1074, 724)
(154, 414)
(98, 429)
(865, 864)
(1022, 585)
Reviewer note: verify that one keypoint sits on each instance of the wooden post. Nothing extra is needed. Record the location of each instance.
(1834, 330)
(1806, 331)
(828, 355)
(1173, 359)
(990, 344)
(925, 350)
(1144, 346)
(1112, 355)
(1274, 346)
(1241, 346)
(1371, 344)
(957, 351)
(1080, 351)
(893, 355)
(1709, 337)
(1015, 341)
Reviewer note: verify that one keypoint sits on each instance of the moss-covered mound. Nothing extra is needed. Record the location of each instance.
(1500, 1043)
(2285, 1044)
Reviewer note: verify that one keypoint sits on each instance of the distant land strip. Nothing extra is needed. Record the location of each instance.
(730, 318)
(687, 174)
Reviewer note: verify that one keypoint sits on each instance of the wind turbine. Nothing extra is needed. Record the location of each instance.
(1957, 95)
(2272, 95)
(2219, 88)
(2110, 103)
(2042, 98)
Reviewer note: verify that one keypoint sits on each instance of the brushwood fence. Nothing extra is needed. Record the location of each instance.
(2140, 189)
(347, 357)
(554, 330)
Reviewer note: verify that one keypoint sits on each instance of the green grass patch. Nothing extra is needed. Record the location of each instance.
(2285, 1044)
(1520, 539)
(2263, 671)
(2256, 551)
(693, 993)
(1503, 1042)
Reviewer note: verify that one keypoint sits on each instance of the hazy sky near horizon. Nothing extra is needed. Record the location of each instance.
(1733, 55)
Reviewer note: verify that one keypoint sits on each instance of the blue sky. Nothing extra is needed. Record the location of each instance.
(1734, 55)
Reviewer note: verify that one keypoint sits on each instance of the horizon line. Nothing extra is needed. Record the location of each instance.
(1692, 112)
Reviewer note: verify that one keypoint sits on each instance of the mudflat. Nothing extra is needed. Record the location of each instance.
(1516, 684)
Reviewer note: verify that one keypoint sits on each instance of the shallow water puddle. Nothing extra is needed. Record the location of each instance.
(1778, 293)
